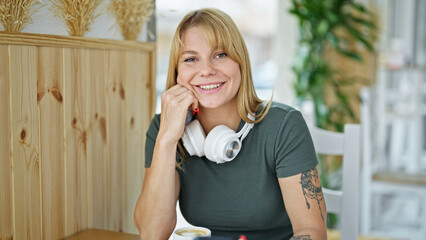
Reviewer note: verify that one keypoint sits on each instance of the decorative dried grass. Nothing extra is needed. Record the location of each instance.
(131, 15)
(78, 15)
(15, 14)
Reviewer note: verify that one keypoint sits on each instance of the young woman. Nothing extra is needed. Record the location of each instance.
(268, 186)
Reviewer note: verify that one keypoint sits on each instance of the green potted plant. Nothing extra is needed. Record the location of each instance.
(342, 26)
(323, 25)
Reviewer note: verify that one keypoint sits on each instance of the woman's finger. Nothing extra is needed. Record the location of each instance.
(177, 94)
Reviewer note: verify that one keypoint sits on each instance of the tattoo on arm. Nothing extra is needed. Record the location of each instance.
(301, 237)
(311, 188)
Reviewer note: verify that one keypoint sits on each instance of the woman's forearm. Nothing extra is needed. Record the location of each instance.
(311, 233)
(155, 214)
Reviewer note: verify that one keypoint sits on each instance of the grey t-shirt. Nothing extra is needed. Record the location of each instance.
(243, 196)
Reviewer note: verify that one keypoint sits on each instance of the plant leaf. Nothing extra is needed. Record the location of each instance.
(350, 54)
(362, 21)
(359, 7)
(355, 33)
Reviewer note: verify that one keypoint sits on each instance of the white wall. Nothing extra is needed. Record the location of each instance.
(44, 22)
(285, 50)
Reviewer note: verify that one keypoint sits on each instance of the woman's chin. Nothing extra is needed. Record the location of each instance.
(209, 106)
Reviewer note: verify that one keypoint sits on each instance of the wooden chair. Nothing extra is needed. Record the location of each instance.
(344, 202)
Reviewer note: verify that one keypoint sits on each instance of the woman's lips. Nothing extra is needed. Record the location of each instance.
(210, 88)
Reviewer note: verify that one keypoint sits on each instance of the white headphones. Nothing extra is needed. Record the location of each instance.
(221, 145)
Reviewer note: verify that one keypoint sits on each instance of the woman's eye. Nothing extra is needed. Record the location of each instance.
(191, 59)
(221, 55)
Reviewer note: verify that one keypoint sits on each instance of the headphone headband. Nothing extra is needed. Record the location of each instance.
(246, 128)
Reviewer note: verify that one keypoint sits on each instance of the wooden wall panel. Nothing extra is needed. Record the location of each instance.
(148, 87)
(96, 145)
(6, 207)
(136, 105)
(73, 118)
(50, 101)
(77, 87)
(25, 143)
(116, 155)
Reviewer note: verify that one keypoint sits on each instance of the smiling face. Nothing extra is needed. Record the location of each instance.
(209, 73)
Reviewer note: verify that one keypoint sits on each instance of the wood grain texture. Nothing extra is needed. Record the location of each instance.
(95, 234)
(333, 234)
(6, 200)
(150, 84)
(25, 143)
(401, 178)
(137, 66)
(74, 113)
(148, 78)
(50, 101)
(33, 39)
(77, 87)
(97, 148)
(116, 155)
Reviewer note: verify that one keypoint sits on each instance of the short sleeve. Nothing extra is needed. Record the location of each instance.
(294, 148)
(151, 136)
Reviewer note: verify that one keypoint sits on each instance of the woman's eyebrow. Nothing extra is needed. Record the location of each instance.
(189, 52)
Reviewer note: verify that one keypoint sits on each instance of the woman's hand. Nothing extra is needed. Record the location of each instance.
(175, 103)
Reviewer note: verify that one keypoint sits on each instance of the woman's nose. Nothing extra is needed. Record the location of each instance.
(206, 68)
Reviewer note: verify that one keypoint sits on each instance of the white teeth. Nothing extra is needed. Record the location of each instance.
(210, 87)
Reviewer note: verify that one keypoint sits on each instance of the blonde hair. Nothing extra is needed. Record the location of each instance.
(222, 33)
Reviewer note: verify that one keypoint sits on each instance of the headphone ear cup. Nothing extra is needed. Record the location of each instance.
(222, 144)
(193, 138)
